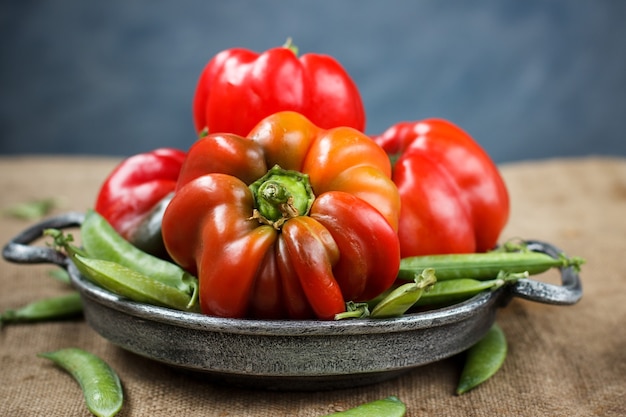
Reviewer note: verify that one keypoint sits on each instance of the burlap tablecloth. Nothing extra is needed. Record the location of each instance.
(562, 361)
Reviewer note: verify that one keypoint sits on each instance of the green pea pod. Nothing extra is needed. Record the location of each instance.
(483, 265)
(387, 407)
(101, 241)
(132, 284)
(101, 386)
(456, 290)
(399, 300)
(483, 359)
(60, 275)
(53, 308)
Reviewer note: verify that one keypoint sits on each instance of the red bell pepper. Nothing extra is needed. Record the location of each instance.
(134, 195)
(239, 87)
(454, 199)
(290, 222)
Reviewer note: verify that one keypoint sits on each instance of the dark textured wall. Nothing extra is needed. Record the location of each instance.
(528, 79)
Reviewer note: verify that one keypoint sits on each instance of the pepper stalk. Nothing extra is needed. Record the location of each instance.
(280, 195)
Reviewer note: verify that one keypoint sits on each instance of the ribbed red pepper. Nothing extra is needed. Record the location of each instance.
(454, 199)
(290, 222)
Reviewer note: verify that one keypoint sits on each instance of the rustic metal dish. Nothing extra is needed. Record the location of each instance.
(289, 355)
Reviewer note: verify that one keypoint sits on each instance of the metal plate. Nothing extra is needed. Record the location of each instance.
(291, 354)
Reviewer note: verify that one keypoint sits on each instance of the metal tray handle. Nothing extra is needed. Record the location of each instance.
(570, 292)
(18, 250)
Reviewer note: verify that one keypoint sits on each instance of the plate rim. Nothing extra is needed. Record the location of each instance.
(288, 327)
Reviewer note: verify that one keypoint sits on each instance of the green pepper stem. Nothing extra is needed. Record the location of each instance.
(281, 195)
(289, 45)
(274, 192)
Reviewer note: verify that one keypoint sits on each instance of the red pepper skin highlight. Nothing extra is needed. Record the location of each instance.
(136, 186)
(454, 199)
(332, 239)
(238, 88)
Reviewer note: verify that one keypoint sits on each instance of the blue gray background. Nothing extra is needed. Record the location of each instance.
(526, 78)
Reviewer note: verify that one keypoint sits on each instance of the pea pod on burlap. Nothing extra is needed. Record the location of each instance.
(387, 407)
(101, 386)
(483, 359)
